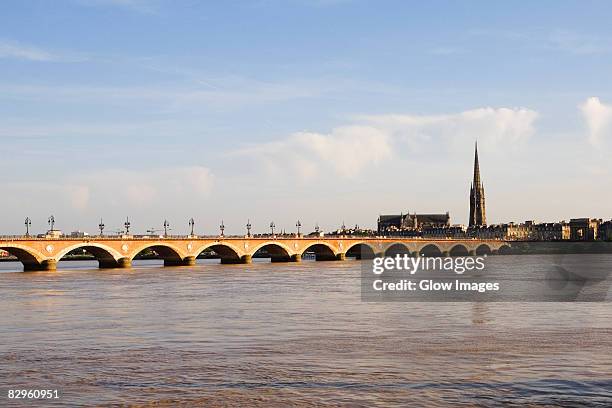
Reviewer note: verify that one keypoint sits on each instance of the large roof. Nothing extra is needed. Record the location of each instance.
(432, 217)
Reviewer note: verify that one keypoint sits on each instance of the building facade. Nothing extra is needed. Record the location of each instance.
(584, 229)
(552, 231)
(605, 231)
(411, 222)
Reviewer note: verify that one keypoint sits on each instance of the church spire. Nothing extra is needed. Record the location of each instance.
(476, 167)
(477, 199)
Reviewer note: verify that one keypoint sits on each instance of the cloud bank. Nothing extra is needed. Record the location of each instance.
(348, 151)
(598, 117)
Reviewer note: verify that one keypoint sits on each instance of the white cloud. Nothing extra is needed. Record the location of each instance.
(598, 117)
(345, 152)
(10, 49)
(348, 150)
(493, 127)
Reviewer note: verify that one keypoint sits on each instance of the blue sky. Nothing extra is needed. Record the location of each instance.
(323, 110)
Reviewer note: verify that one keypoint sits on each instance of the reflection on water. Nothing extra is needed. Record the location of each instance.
(272, 334)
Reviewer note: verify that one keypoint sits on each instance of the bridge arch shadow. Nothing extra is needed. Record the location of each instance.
(169, 255)
(225, 253)
(483, 249)
(397, 249)
(360, 251)
(106, 257)
(459, 250)
(505, 250)
(29, 260)
(274, 251)
(321, 252)
(430, 250)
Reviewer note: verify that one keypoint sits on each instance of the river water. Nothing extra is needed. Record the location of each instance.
(272, 334)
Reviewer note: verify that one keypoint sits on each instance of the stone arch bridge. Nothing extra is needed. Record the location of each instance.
(118, 252)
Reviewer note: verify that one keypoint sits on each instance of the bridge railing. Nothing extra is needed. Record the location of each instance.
(218, 237)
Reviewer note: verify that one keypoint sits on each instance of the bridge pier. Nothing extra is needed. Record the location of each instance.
(472, 252)
(188, 261)
(446, 254)
(330, 257)
(49, 265)
(125, 263)
(46, 265)
(287, 258)
(415, 254)
(244, 259)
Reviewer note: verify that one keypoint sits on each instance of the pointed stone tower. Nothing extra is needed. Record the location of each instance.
(478, 215)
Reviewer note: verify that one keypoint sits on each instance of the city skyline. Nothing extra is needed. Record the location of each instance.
(177, 113)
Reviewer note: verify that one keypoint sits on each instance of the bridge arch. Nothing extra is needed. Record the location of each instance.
(169, 253)
(459, 250)
(505, 250)
(29, 258)
(107, 257)
(278, 252)
(397, 249)
(483, 249)
(322, 250)
(360, 250)
(430, 250)
(227, 252)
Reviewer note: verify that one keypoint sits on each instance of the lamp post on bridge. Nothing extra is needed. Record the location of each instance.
(166, 225)
(298, 225)
(28, 224)
(191, 224)
(272, 226)
(222, 228)
(51, 222)
(317, 229)
(248, 227)
(101, 227)
(127, 225)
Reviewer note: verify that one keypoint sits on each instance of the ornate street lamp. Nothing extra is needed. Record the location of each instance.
(101, 227)
(51, 222)
(272, 226)
(298, 224)
(343, 227)
(191, 224)
(248, 227)
(317, 229)
(28, 224)
(166, 225)
(127, 225)
(222, 228)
